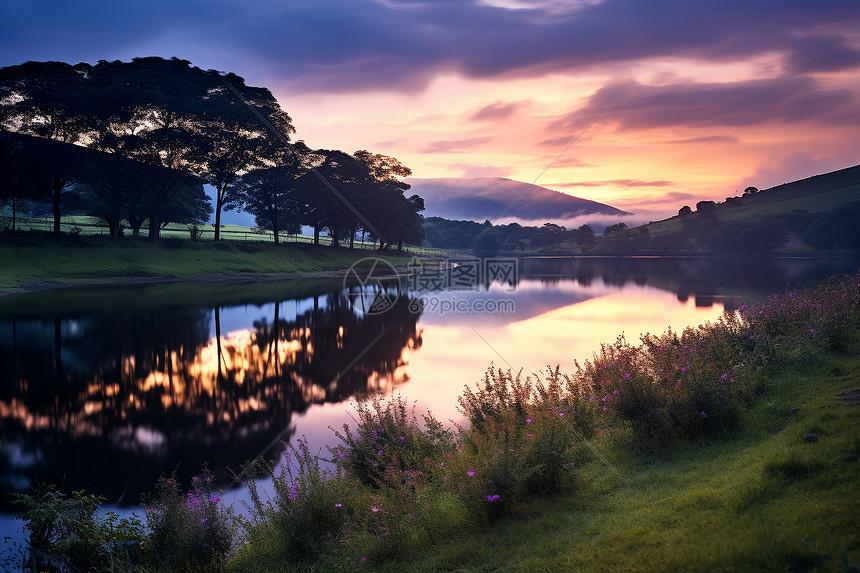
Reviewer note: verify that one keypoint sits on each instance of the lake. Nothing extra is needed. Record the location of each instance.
(107, 389)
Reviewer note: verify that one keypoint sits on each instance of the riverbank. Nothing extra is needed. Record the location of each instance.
(39, 262)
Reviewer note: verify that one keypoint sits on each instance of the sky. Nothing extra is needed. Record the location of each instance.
(646, 106)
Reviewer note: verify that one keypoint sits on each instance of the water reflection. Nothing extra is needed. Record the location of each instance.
(110, 401)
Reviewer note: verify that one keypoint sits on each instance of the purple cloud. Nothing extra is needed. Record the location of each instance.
(456, 145)
(331, 45)
(497, 111)
(616, 183)
(754, 102)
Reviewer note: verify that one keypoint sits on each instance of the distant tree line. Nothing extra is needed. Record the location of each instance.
(133, 143)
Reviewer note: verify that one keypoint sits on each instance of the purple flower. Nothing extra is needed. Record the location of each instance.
(195, 479)
(683, 369)
(214, 498)
(572, 464)
(703, 415)
(724, 376)
(379, 453)
(531, 435)
(363, 559)
(202, 520)
(561, 414)
(493, 498)
(604, 408)
(470, 473)
(401, 438)
(374, 509)
(294, 492)
(338, 505)
(529, 420)
(339, 453)
(811, 331)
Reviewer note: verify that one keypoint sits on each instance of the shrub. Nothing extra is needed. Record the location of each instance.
(65, 534)
(190, 532)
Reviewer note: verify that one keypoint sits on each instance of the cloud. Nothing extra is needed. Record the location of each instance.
(615, 183)
(734, 104)
(456, 145)
(497, 111)
(474, 171)
(366, 45)
(822, 53)
(707, 139)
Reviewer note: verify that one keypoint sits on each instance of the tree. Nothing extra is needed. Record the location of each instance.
(750, 190)
(585, 236)
(616, 228)
(685, 211)
(273, 197)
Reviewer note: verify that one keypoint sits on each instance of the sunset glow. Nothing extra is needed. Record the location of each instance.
(722, 95)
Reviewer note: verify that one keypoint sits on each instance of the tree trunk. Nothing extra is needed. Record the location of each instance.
(316, 234)
(219, 204)
(154, 223)
(351, 238)
(334, 238)
(58, 188)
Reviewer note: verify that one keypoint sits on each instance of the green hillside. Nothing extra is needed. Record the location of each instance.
(818, 214)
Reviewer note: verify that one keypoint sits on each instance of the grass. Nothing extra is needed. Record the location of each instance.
(761, 499)
(36, 259)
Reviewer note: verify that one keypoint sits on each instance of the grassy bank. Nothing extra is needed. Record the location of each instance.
(39, 261)
(756, 499)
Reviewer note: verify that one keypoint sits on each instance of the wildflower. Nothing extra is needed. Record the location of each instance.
(493, 498)
(338, 505)
(379, 453)
(401, 438)
(604, 408)
(683, 369)
(531, 435)
(214, 499)
(529, 420)
(470, 473)
(373, 432)
(202, 520)
(294, 492)
(571, 464)
(591, 399)
(441, 464)
(627, 375)
(561, 414)
(363, 559)
(244, 483)
(703, 415)
(374, 509)
(195, 479)
(811, 331)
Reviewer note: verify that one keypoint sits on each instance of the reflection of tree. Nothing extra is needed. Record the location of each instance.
(110, 401)
(707, 280)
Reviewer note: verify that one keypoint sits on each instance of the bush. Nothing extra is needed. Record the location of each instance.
(190, 532)
(65, 534)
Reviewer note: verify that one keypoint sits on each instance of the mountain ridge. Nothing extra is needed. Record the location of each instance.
(487, 198)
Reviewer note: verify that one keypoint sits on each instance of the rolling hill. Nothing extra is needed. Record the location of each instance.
(816, 214)
(488, 197)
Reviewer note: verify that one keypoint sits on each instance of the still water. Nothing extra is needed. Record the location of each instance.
(107, 390)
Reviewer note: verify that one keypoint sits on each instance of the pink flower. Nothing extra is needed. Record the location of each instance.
(531, 435)
(338, 505)
(529, 420)
(470, 473)
(374, 509)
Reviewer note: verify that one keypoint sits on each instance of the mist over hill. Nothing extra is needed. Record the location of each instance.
(487, 198)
